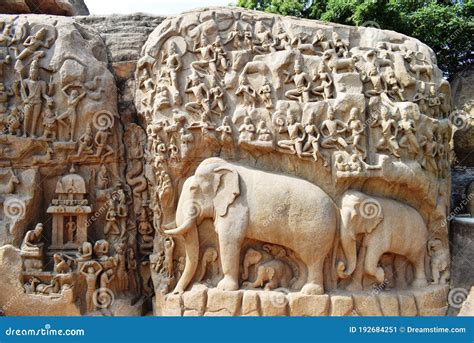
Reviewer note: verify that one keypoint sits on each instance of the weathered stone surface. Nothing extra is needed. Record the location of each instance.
(172, 305)
(54, 7)
(389, 304)
(462, 230)
(366, 305)
(407, 305)
(308, 305)
(223, 303)
(274, 303)
(250, 304)
(244, 137)
(432, 301)
(341, 305)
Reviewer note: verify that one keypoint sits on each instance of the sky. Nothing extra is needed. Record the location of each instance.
(164, 7)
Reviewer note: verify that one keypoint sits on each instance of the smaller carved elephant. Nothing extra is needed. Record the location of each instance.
(273, 274)
(439, 261)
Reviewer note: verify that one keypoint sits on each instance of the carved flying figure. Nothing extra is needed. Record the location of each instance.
(296, 134)
(302, 82)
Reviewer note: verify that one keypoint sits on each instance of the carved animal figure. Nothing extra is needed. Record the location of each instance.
(439, 261)
(388, 226)
(9, 187)
(273, 274)
(254, 204)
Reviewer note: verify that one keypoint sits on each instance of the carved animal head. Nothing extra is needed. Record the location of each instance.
(212, 189)
(365, 213)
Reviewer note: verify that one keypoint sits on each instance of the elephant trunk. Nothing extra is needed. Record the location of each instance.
(349, 247)
(191, 245)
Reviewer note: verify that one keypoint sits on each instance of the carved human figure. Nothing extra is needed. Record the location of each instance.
(356, 128)
(220, 55)
(389, 127)
(122, 211)
(206, 63)
(332, 130)
(373, 77)
(311, 146)
(121, 262)
(263, 132)
(197, 87)
(84, 252)
(247, 130)
(408, 129)
(302, 82)
(226, 132)
(320, 40)
(32, 241)
(439, 261)
(103, 148)
(434, 102)
(73, 99)
(34, 43)
(429, 149)
(173, 62)
(296, 135)
(62, 264)
(394, 86)
(264, 41)
(325, 87)
(265, 93)
(217, 97)
(49, 121)
(105, 279)
(132, 270)
(103, 178)
(283, 39)
(187, 139)
(247, 91)
(355, 163)
(341, 164)
(71, 229)
(86, 142)
(4, 95)
(91, 271)
(33, 91)
(14, 121)
(235, 36)
(111, 220)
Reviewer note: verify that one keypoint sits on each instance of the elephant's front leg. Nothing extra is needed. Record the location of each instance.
(230, 236)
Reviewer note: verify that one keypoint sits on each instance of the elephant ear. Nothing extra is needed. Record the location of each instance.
(227, 189)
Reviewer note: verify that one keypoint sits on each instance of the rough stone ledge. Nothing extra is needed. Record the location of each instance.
(203, 301)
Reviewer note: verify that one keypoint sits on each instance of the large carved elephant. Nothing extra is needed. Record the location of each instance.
(249, 203)
(388, 226)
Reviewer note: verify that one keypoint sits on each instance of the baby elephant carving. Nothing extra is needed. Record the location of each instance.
(272, 273)
(439, 261)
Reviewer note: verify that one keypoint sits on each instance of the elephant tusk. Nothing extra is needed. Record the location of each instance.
(182, 230)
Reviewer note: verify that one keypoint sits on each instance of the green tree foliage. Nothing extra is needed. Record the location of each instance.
(445, 25)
